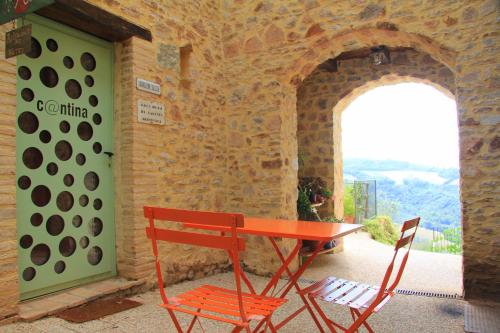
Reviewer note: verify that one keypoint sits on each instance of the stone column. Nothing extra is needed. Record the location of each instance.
(9, 286)
(478, 97)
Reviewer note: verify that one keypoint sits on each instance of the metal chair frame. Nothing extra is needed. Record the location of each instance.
(237, 308)
(361, 296)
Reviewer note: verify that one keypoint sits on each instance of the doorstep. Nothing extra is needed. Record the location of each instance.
(53, 303)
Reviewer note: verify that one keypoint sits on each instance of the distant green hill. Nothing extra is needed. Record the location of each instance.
(405, 190)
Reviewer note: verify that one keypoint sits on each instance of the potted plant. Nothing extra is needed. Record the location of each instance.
(312, 192)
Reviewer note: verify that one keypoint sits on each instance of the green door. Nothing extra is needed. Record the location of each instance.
(64, 140)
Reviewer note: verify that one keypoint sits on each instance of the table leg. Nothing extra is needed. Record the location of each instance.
(293, 278)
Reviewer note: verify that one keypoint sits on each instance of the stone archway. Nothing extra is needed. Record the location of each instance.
(324, 94)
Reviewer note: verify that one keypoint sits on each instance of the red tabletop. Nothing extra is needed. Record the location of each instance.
(320, 231)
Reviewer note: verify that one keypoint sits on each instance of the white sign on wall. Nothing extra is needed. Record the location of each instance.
(148, 86)
(150, 112)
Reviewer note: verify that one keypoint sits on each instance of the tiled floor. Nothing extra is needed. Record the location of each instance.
(362, 260)
(403, 314)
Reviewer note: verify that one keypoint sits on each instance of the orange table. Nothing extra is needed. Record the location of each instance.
(322, 232)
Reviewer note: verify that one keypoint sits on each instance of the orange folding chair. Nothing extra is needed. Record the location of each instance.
(212, 302)
(362, 299)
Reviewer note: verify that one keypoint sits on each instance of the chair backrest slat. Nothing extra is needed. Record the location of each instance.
(404, 241)
(187, 216)
(183, 237)
(228, 240)
(406, 238)
(410, 224)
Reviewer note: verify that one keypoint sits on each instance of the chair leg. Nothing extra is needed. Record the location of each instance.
(365, 323)
(191, 325)
(361, 320)
(174, 319)
(238, 329)
(322, 315)
(353, 315)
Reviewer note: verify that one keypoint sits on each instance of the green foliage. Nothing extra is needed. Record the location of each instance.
(304, 208)
(382, 229)
(388, 207)
(311, 189)
(326, 193)
(349, 200)
(437, 204)
(449, 241)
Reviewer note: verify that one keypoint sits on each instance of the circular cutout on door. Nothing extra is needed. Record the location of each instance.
(32, 158)
(67, 246)
(94, 256)
(65, 201)
(63, 150)
(36, 219)
(95, 226)
(93, 100)
(52, 168)
(40, 254)
(64, 126)
(97, 204)
(59, 267)
(73, 89)
(88, 61)
(80, 159)
(24, 73)
(97, 147)
(36, 49)
(27, 94)
(91, 181)
(89, 81)
(96, 118)
(26, 241)
(49, 77)
(45, 136)
(84, 242)
(29, 274)
(40, 195)
(28, 122)
(77, 221)
(68, 180)
(68, 62)
(84, 200)
(55, 225)
(84, 131)
(24, 182)
(52, 45)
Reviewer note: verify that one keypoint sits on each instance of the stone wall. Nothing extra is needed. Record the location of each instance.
(9, 287)
(180, 164)
(230, 139)
(283, 41)
(324, 94)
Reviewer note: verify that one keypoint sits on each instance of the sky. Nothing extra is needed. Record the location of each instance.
(410, 122)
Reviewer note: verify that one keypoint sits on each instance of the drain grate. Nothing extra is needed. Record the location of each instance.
(427, 294)
(405, 291)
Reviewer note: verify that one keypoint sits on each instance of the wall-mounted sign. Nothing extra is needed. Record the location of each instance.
(148, 86)
(13, 9)
(150, 112)
(18, 41)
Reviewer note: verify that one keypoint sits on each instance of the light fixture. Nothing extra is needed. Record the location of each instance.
(380, 55)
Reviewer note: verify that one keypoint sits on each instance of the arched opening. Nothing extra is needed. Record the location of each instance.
(330, 87)
(400, 159)
(325, 93)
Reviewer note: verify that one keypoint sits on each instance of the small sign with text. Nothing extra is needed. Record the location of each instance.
(150, 112)
(18, 41)
(148, 86)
